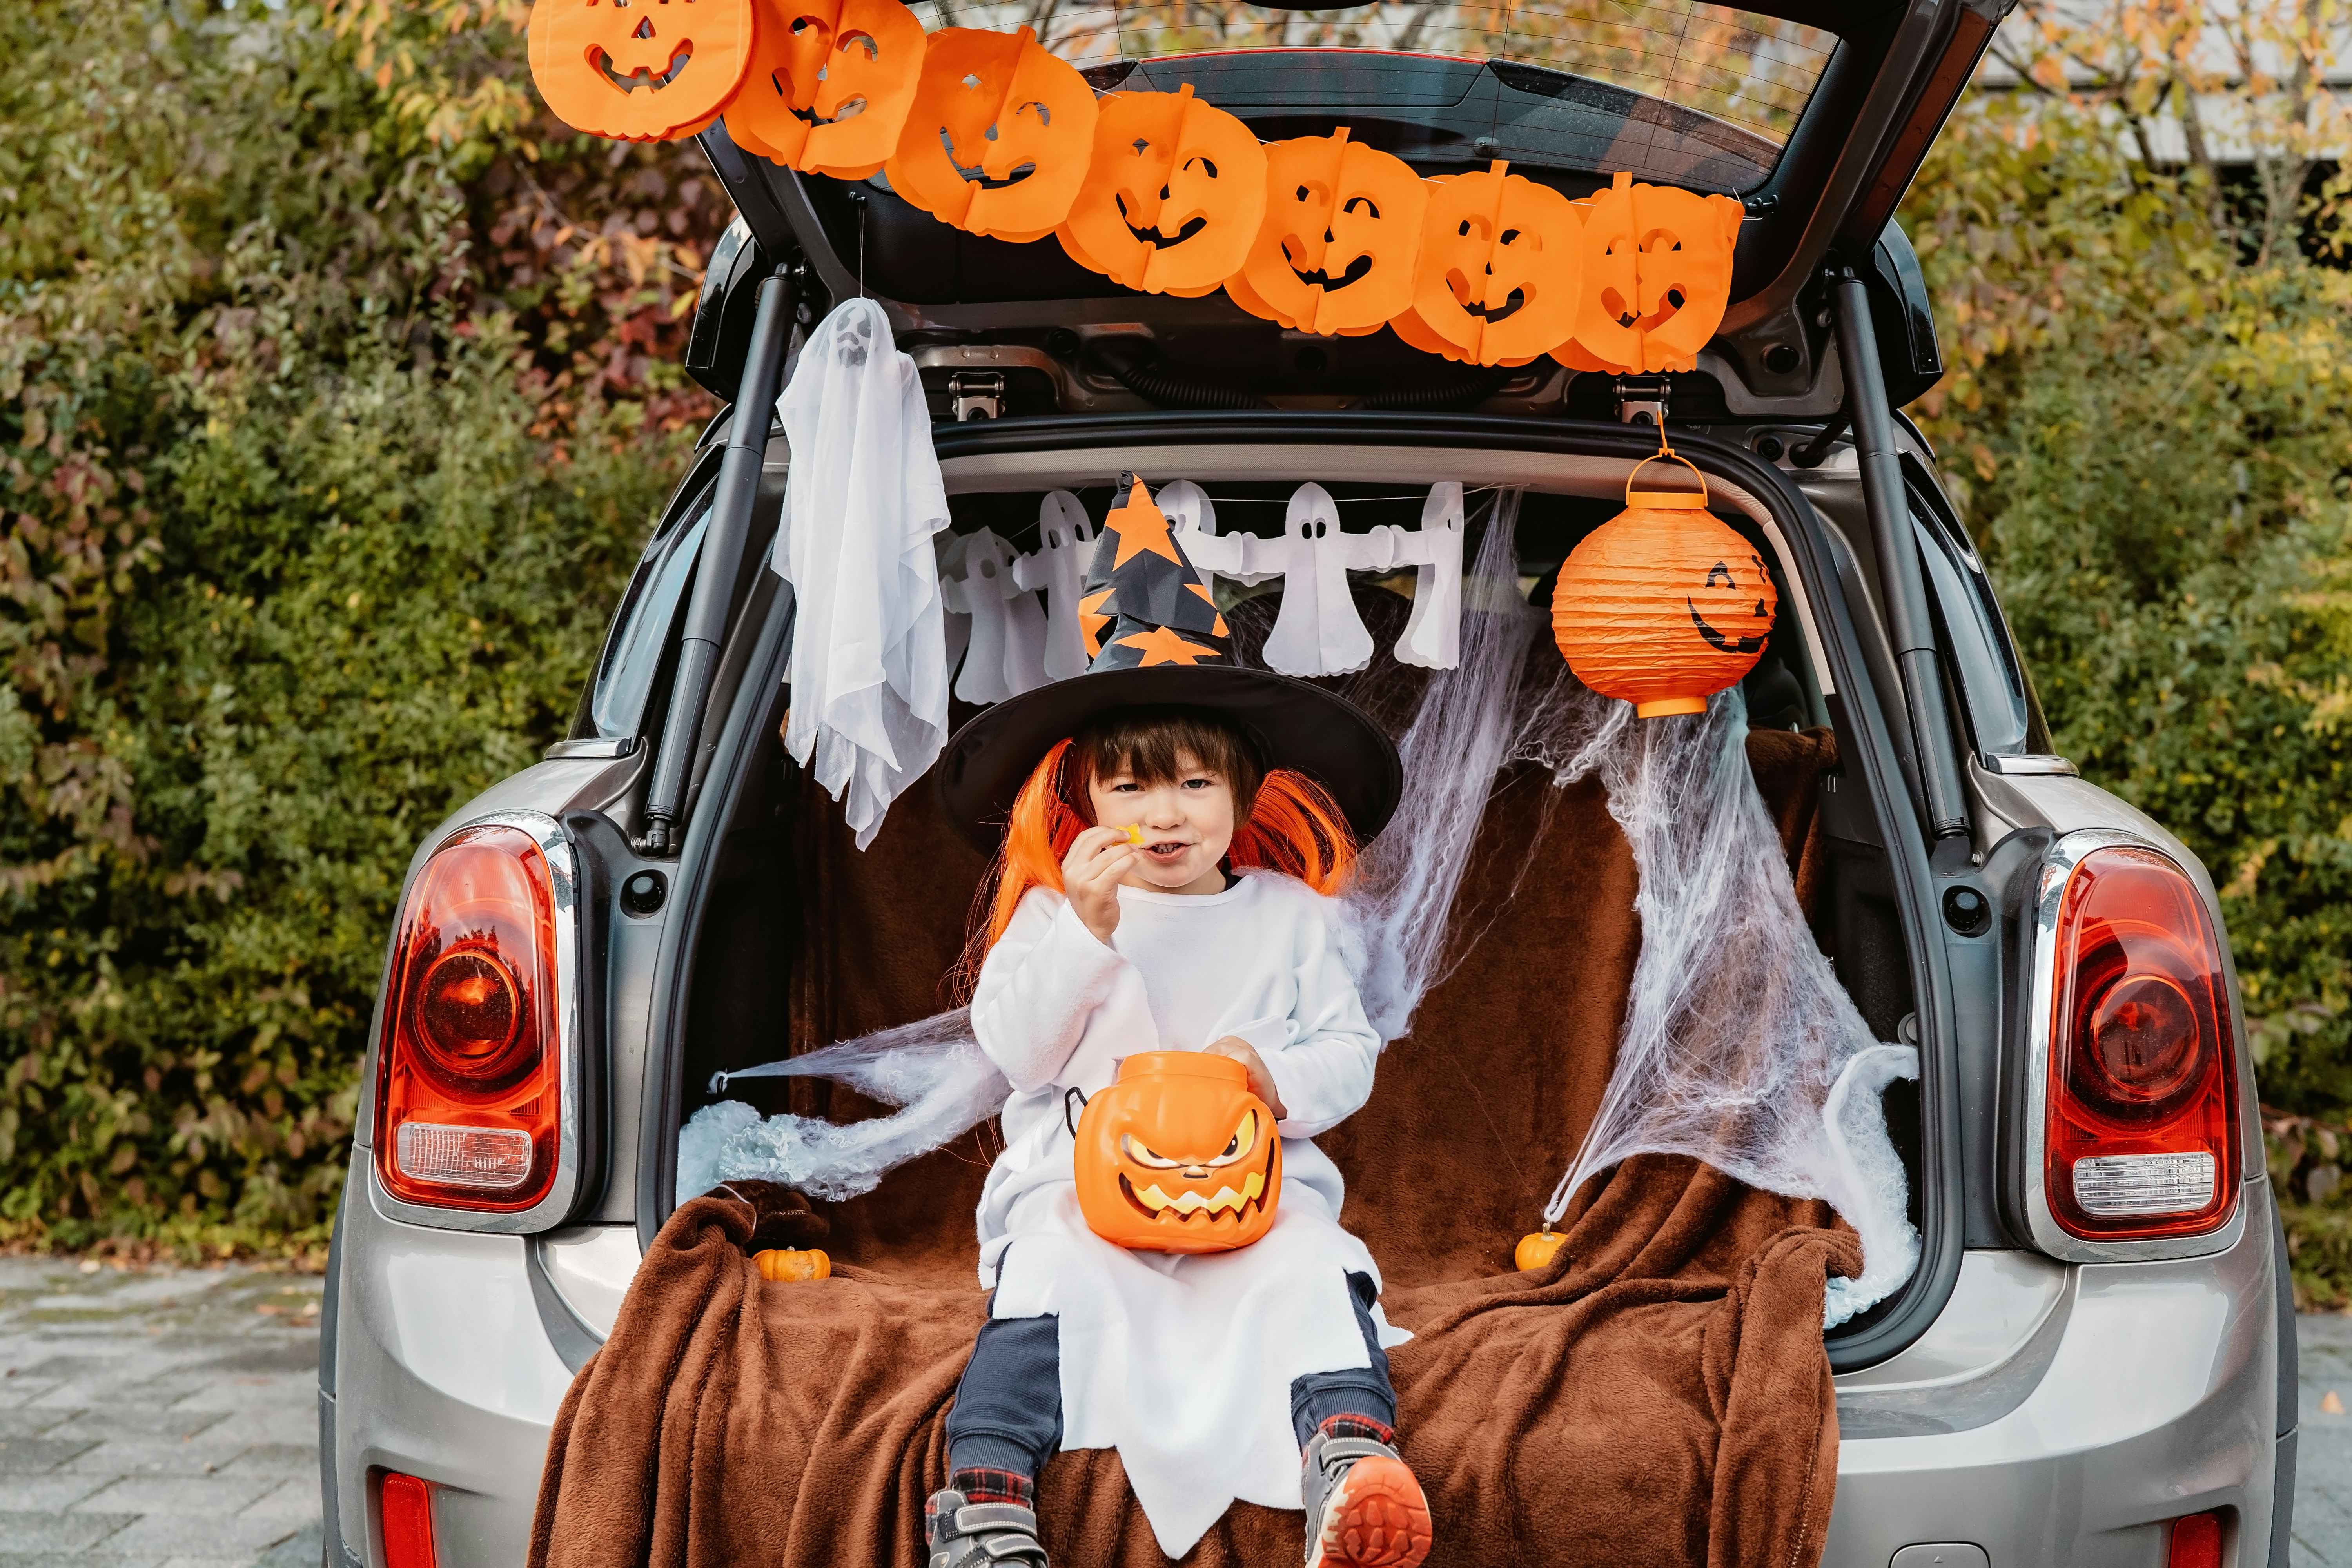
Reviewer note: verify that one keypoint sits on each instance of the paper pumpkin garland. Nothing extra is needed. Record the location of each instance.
(1178, 1155)
(645, 72)
(1662, 605)
(1162, 191)
(1172, 198)
(1335, 252)
(830, 84)
(998, 136)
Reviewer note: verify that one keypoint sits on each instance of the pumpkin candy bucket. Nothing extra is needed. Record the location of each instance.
(1178, 1155)
(1662, 605)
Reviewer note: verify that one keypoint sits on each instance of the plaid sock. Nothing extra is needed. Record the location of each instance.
(1358, 1426)
(992, 1484)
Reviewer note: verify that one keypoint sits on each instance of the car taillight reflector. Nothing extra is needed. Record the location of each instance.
(2141, 1138)
(468, 1103)
(407, 1505)
(2196, 1541)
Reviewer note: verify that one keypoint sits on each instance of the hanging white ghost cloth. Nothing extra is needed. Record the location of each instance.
(869, 669)
(1183, 1363)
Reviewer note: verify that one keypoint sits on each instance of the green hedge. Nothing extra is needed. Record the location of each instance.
(329, 435)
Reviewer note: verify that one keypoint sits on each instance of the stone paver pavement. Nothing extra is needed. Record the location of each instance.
(164, 1418)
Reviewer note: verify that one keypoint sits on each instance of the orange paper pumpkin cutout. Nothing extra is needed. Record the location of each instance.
(1173, 199)
(830, 84)
(1342, 228)
(1178, 1156)
(1662, 604)
(642, 71)
(1644, 245)
(999, 135)
(1496, 281)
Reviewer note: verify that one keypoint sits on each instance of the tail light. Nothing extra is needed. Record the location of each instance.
(2140, 1134)
(469, 1092)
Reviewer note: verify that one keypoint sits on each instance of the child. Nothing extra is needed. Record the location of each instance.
(1221, 1375)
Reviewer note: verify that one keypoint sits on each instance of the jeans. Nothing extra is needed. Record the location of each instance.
(1008, 1407)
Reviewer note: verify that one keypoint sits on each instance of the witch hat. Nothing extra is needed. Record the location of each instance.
(1157, 641)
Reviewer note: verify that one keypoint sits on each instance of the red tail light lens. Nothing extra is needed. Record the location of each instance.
(407, 1505)
(2142, 1135)
(468, 1103)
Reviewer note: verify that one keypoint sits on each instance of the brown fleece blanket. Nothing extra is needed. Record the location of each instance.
(1660, 1395)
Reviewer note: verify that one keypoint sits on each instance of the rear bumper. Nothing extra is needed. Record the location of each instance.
(2057, 1414)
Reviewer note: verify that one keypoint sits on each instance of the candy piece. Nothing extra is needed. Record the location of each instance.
(1134, 834)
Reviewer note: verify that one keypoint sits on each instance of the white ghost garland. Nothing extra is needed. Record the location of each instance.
(1014, 644)
(1065, 541)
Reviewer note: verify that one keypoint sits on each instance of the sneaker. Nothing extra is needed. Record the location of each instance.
(1364, 1508)
(983, 1534)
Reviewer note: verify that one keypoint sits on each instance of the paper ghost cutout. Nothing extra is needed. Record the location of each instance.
(1007, 651)
(1432, 636)
(1319, 631)
(1065, 542)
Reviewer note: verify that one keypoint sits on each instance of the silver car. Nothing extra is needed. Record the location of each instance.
(2094, 1360)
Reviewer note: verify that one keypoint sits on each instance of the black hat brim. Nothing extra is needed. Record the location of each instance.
(1296, 725)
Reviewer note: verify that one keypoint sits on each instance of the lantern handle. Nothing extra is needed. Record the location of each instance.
(1069, 1119)
(1667, 500)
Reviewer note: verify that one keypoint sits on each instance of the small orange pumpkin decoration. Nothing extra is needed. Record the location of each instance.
(1342, 230)
(1641, 245)
(1662, 604)
(998, 136)
(642, 72)
(1537, 1250)
(1178, 1155)
(792, 1263)
(1173, 196)
(814, 61)
(1496, 282)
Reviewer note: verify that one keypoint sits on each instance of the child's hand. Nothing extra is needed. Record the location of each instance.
(1261, 1082)
(1098, 858)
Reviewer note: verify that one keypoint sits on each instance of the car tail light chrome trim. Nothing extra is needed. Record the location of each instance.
(478, 1084)
(2130, 1114)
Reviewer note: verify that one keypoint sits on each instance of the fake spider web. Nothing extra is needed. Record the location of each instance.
(1739, 1048)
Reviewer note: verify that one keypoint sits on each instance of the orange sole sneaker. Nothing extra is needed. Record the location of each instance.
(1377, 1518)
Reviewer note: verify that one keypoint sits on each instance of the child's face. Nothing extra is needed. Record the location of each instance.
(1186, 823)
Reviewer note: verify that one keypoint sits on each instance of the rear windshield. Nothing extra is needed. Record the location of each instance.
(1696, 95)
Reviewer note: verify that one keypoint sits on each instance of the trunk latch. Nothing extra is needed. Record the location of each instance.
(1641, 400)
(976, 394)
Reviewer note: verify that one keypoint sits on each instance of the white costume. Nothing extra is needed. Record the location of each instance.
(1183, 1363)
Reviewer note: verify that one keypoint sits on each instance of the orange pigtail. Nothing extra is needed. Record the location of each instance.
(1297, 828)
(1038, 832)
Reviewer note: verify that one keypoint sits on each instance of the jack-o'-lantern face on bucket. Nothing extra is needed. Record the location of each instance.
(1178, 1156)
(1334, 253)
(639, 70)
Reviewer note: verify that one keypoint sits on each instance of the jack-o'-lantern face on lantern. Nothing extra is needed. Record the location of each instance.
(1173, 197)
(1342, 228)
(830, 84)
(1178, 1156)
(639, 70)
(1662, 604)
(998, 137)
(1496, 282)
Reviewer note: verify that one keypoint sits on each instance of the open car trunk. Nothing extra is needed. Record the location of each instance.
(1689, 1312)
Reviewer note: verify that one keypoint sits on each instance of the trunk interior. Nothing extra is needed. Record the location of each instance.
(805, 941)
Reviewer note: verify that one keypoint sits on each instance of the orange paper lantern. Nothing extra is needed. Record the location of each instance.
(830, 84)
(1335, 252)
(998, 136)
(1178, 1156)
(648, 73)
(1662, 605)
(1496, 282)
(1172, 198)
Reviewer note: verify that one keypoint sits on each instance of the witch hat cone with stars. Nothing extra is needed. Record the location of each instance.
(1158, 641)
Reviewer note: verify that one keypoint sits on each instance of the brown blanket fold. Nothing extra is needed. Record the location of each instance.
(1660, 1396)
